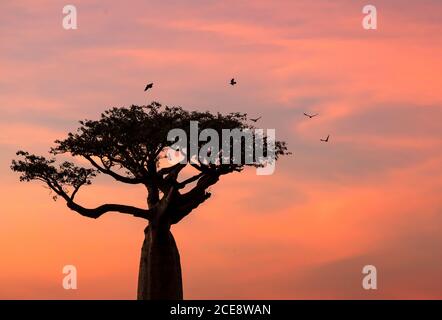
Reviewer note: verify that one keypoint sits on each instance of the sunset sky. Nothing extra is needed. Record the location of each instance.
(371, 196)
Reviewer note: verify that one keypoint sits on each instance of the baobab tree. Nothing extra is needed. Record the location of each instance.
(130, 145)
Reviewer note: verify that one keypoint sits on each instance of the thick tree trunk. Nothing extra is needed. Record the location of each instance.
(160, 269)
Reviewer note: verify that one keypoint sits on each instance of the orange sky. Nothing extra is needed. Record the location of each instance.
(370, 196)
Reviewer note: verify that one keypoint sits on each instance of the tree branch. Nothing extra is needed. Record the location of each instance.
(113, 174)
(76, 190)
(98, 211)
(192, 199)
(170, 169)
(190, 180)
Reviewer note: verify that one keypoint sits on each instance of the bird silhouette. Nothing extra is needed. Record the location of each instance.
(254, 120)
(325, 140)
(310, 116)
(233, 82)
(149, 86)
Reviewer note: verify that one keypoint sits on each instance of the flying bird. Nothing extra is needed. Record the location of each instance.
(310, 116)
(149, 86)
(254, 120)
(325, 140)
(233, 82)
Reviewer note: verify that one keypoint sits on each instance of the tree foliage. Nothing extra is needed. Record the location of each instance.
(128, 144)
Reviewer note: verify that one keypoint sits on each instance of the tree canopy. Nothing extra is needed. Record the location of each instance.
(128, 144)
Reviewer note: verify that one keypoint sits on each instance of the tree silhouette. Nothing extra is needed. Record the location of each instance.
(130, 145)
